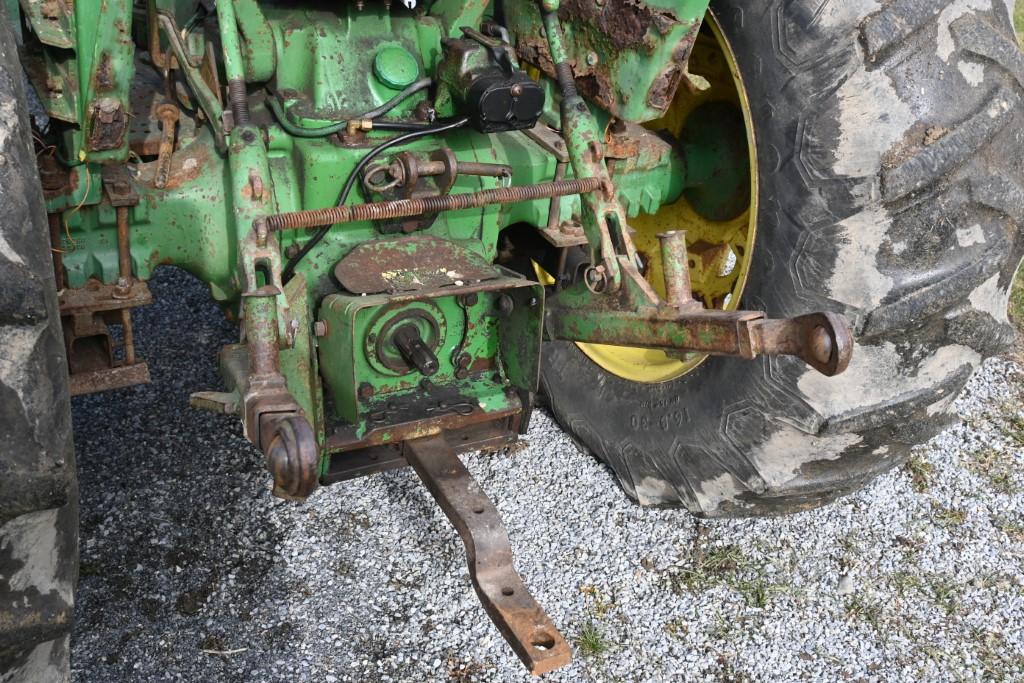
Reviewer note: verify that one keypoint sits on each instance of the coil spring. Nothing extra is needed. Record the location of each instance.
(239, 100)
(401, 208)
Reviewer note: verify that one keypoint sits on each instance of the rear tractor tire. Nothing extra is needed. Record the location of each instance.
(38, 490)
(888, 171)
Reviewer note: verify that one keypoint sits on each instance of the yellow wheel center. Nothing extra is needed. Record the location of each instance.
(720, 251)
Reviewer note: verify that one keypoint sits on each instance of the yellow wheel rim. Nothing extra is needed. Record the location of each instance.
(720, 251)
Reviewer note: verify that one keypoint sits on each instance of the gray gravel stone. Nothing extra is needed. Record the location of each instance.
(191, 571)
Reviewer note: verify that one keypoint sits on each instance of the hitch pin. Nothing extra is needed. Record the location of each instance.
(675, 268)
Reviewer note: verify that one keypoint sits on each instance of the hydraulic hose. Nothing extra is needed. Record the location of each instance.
(289, 269)
(330, 129)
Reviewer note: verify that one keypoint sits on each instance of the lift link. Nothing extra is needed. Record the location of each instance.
(522, 622)
(604, 221)
(637, 316)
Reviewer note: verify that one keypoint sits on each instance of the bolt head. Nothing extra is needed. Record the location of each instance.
(167, 112)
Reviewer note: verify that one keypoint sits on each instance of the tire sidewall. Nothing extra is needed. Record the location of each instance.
(738, 437)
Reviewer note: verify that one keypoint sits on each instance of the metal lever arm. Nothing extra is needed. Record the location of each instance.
(636, 316)
(513, 610)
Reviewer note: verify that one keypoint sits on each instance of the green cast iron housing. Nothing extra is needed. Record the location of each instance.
(321, 66)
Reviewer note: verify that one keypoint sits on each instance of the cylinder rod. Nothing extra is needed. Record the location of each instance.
(233, 67)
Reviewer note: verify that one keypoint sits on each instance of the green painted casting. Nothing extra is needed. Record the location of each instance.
(628, 57)
(326, 65)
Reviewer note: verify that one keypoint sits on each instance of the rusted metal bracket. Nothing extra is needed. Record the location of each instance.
(636, 316)
(513, 610)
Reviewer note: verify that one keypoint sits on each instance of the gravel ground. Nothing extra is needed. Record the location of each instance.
(191, 571)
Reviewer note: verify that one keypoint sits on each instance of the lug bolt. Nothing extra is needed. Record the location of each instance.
(365, 391)
(320, 328)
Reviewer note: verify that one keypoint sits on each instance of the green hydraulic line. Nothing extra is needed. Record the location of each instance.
(323, 131)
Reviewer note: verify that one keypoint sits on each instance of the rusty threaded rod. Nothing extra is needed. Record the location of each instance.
(124, 247)
(168, 115)
(403, 208)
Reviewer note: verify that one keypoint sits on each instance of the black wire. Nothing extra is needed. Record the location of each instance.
(289, 269)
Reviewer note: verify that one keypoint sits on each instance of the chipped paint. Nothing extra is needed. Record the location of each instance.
(7, 251)
(37, 667)
(18, 344)
(989, 297)
(33, 543)
(872, 119)
(973, 72)
(846, 13)
(651, 491)
(878, 374)
(856, 279)
(8, 122)
(945, 45)
(967, 237)
(997, 108)
(779, 459)
(941, 406)
(713, 492)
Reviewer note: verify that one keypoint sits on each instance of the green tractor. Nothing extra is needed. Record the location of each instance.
(748, 253)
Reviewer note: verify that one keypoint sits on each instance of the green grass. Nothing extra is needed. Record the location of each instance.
(1013, 427)
(920, 471)
(1018, 21)
(944, 592)
(948, 517)
(727, 566)
(591, 642)
(860, 608)
(708, 569)
(997, 468)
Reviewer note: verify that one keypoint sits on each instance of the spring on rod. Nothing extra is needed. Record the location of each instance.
(402, 208)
